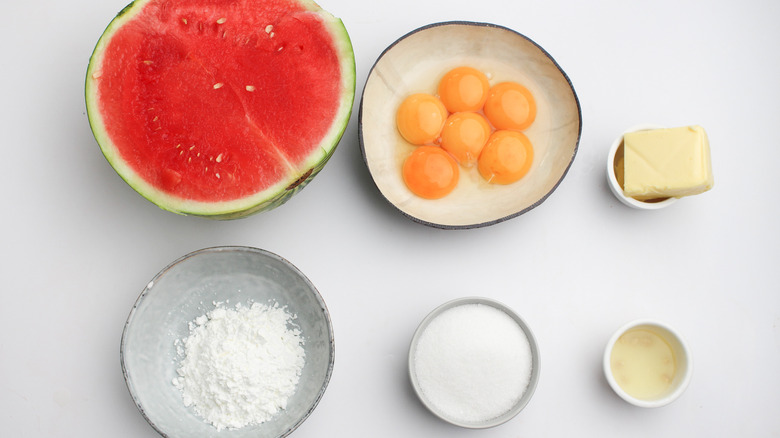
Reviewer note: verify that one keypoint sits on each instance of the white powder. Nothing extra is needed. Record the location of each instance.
(240, 365)
(473, 362)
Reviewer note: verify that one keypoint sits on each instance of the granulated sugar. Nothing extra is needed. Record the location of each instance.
(240, 365)
(473, 362)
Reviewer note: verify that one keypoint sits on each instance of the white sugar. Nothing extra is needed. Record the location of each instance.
(473, 363)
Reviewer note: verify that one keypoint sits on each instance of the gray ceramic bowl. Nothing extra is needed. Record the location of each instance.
(535, 364)
(185, 290)
(414, 64)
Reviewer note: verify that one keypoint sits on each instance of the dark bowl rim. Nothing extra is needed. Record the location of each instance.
(501, 219)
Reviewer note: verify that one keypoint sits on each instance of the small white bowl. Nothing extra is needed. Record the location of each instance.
(617, 190)
(683, 363)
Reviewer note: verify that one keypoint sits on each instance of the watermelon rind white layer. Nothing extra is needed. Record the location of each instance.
(265, 200)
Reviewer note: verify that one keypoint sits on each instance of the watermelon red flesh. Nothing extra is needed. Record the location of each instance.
(215, 104)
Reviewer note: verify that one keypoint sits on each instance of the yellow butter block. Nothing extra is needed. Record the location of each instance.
(663, 163)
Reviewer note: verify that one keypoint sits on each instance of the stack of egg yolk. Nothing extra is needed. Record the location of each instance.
(469, 123)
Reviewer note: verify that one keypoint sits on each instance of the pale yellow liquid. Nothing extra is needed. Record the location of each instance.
(643, 364)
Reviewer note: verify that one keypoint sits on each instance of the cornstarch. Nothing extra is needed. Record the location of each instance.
(473, 362)
(240, 365)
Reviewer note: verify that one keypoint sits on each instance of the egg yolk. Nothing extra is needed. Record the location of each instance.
(464, 135)
(506, 157)
(420, 118)
(463, 89)
(430, 172)
(510, 105)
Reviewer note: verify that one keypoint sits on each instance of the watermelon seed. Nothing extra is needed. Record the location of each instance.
(155, 118)
(269, 28)
(250, 88)
(271, 35)
(97, 74)
(218, 175)
(192, 147)
(184, 20)
(219, 158)
(178, 146)
(218, 85)
(148, 62)
(221, 20)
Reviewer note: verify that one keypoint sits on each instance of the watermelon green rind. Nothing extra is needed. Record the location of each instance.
(267, 199)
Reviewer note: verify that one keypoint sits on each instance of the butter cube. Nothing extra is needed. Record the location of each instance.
(663, 163)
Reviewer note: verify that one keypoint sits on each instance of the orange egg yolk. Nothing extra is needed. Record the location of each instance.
(463, 89)
(420, 118)
(510, 105)
(430, 172)
(464, 135)
(506, 157)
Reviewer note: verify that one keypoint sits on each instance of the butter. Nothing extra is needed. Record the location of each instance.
(663, 163)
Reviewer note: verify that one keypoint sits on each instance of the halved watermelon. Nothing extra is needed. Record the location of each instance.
(220, 108)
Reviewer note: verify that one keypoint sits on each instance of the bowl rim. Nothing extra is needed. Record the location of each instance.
(662, 401)
(614, 186)
(535, 361)
(361, 141)
(219, 249)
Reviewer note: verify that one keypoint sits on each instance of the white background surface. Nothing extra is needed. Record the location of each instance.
(78, 244)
